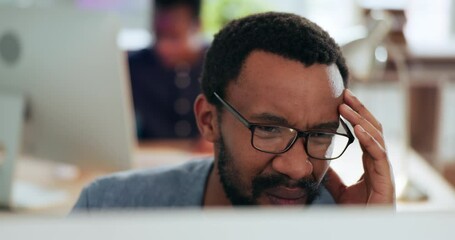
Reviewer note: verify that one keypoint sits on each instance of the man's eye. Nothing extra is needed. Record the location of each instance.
(268, 129)
(321, 135)
(321, 138)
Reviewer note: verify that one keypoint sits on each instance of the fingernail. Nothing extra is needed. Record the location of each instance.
(361, 129)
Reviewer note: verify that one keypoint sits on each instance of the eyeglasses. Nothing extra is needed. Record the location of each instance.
(278, 139)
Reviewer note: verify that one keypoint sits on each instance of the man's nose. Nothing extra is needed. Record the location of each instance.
(295, 162)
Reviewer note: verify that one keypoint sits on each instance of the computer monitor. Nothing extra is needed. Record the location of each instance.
(74, 80)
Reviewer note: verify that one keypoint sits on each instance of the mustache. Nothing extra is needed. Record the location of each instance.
(261, 183)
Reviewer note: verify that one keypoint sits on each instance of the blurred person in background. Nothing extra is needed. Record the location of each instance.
(276, 107)
(164, 77)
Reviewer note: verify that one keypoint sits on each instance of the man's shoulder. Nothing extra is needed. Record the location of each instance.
(178, 185)
(157, 173)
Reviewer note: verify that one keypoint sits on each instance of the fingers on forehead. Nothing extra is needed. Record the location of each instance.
(360, 108)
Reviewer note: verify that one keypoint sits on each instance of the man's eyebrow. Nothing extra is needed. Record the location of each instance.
(327, 125)
(269, 118)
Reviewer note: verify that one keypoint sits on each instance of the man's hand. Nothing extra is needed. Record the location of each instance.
(376, 186)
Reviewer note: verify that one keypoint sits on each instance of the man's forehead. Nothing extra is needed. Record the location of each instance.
(335, 80)
(265, 69)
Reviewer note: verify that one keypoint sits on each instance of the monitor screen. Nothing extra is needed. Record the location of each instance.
(73, 76)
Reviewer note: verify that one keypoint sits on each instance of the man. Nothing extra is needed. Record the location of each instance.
(273, 93)
(164, 78)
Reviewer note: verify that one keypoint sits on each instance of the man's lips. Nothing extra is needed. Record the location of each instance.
(286, 196)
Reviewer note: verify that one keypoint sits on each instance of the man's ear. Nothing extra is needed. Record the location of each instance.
(206, 118)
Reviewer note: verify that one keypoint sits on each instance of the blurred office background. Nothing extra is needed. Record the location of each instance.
(401, 54)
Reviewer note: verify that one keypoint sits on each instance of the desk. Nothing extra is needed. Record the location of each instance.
(441, 196)
(326, 223)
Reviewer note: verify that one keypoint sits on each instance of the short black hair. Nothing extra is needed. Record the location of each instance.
(195, 5)
(287, 35)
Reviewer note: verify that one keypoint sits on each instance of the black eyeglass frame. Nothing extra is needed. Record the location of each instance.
(300, 134)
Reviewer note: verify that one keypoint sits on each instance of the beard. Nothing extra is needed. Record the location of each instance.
(236, 190)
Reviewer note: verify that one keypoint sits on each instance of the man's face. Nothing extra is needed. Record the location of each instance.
(278, 91)
(175, 32)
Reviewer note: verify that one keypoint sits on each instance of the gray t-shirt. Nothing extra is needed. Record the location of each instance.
(171, 186)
